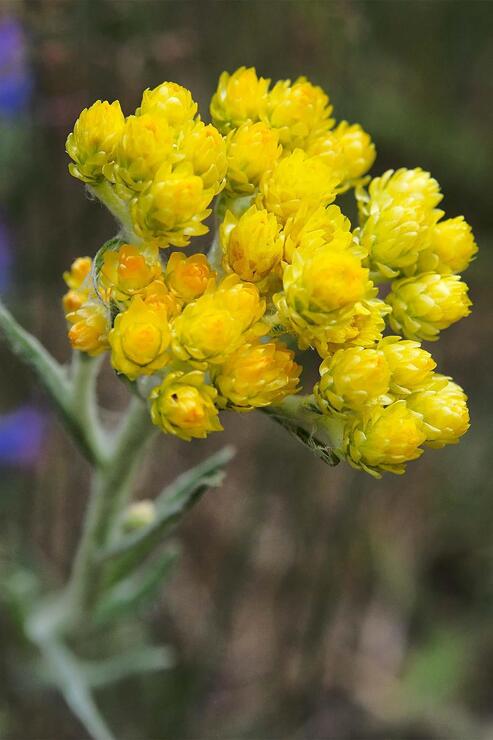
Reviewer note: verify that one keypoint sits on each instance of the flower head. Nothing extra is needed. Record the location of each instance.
(385, 438)
(397, 214)
(216, 324)
(240, 97)
(451, 249)
(298, 111)
(411, 367)
(308, 227)
(204, 147)
(358, 150)
(173, 207)
(324, 289)
(171, 101)
(252, 244)
(189, 277)
(353, 379)
(128, 270)
(139, 339)
(93, 142)
(146, 142)
(252, 150)
(424, 305)
(76, 280)
(183, 405)
(257, 375)
(89, 328)
(442, 405)
(297, 180)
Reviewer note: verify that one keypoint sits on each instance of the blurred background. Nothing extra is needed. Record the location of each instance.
(308, 602)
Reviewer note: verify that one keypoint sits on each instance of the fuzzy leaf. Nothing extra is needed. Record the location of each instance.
(136, 591)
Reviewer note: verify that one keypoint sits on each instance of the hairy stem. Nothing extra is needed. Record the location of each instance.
(84, 372)
(117, 207)
(111, 487)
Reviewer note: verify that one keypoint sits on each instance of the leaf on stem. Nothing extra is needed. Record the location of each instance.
(32, 353)
(306, 437)
(130, 550)
(52, 376)
(146, 659)
(137, 590)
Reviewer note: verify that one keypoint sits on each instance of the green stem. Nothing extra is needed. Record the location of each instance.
(111, 487)
(72, 684)
(119, 208)
(84, 372)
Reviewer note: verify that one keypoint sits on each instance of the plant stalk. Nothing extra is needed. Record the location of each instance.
(110, 490)
(117, 207)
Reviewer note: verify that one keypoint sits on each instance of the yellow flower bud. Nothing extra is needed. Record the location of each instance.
(358, 150)
(139, 339)
(252, 244)
(129, 270)
(158, 294)
(353, 379)
(73, 300)
(76, 279)
(189, 277)
(183, 405)
(79, 270)
(139, 514)
(299, 111)
(89, 330)
(366, 325)
(308, 227)
(324, 289)
(252, 150)
(328, 147)
(422, 306)
(216, 324)
(257, 375)
(326, 278)
(172, 208)
(93, 142)
(239, 97)
(384, 438)
(298, 180)
(205, 148)
(333, 280)
(411, 366)
(146, 142)
(396, 215)
(452, 247)
(171, 101)
(443, 408)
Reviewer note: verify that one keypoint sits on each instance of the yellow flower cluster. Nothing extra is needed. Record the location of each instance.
(204, 330)
(390, 402)
(88, 318)
(163, 164)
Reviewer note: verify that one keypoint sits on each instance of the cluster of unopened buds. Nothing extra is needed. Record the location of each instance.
(286, 273)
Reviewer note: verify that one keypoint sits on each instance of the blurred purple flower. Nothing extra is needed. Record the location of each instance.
(16, 80)
(21, 434)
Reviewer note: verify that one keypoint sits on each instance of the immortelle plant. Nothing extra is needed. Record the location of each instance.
(286, 276)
